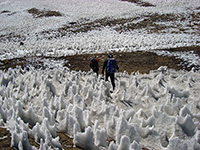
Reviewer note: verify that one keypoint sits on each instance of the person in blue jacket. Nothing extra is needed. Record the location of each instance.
(110, 65)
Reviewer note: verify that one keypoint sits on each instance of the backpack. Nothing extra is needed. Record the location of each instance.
(111, 65)
(95, 64)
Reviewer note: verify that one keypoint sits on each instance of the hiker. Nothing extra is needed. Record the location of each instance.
(111, 66)
(94, 65)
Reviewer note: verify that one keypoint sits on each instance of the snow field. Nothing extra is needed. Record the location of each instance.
(97, 42)
(159, 110)
(18, 25)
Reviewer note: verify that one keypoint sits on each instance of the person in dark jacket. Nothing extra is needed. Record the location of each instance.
(94, 65)
(110, 65)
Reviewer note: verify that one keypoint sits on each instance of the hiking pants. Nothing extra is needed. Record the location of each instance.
(96, 71)
(112, 78)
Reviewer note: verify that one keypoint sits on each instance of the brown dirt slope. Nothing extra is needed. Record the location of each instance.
(127, 61)
(134, 61)
(5, 140)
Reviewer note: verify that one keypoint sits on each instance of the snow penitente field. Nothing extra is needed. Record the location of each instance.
(48, 93)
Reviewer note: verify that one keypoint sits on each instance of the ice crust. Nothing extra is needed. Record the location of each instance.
(159, 110)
